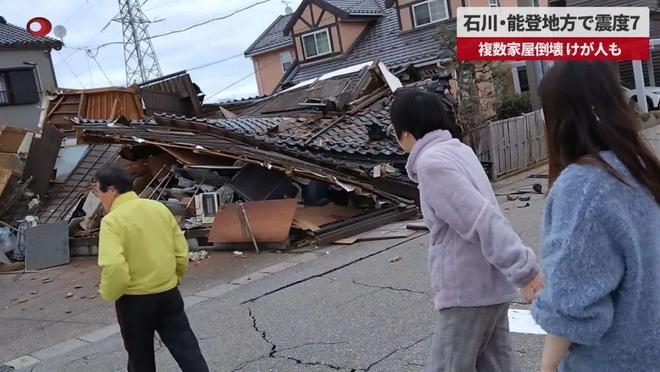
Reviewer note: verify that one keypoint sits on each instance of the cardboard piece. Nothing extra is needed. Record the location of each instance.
(312, 218)
(11, 161)
(270, 221)
(377, 235)
(47, 246)
(11, 139)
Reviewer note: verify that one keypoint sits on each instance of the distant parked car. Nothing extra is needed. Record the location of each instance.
(652, 96)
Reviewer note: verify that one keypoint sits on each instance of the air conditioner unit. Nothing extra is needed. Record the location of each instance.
(206, 205)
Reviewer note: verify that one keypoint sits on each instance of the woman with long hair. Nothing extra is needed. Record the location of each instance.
(601, 230)
(476, 261)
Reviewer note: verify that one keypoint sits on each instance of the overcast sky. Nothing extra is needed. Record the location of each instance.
(84, 20)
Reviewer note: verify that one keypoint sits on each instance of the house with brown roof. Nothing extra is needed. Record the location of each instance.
(321, 36)
(26, 71)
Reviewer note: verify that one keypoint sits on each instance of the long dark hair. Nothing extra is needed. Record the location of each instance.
(585, 113)
(419, 112)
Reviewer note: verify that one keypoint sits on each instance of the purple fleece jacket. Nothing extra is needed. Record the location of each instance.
(475, 258)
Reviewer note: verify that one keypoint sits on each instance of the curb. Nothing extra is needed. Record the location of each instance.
(72, 344)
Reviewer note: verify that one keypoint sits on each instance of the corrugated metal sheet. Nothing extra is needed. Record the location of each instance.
(64, 197)
(174, 93)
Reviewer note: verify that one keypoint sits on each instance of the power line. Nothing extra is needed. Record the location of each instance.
(240, 80)
(230, 85)
(96, 48)
(89, 70)
(71, 69)
(100, 68)
(214, 62)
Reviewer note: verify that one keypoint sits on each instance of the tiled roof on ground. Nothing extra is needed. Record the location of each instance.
(385, 40)
(12, 36)
(360, 134)
(273, 37)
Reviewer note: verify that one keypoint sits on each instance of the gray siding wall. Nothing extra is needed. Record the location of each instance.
(26, 116)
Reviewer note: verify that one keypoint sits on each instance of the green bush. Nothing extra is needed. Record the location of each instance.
(512, 105)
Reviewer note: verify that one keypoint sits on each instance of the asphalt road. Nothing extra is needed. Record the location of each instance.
(345, 308)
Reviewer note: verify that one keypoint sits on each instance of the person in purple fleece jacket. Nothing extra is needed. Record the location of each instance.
(475, 260)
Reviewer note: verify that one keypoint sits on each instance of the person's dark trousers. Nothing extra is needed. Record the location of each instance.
(141, 315)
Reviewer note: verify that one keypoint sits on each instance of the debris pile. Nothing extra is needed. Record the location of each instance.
(314, 164)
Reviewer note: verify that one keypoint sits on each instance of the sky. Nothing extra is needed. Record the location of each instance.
(84, 20)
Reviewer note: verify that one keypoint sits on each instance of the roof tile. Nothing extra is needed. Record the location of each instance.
(272, 37)
(12, 36)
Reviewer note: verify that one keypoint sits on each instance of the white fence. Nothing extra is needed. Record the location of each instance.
(511, 145)
(517, 144)
(652, 138)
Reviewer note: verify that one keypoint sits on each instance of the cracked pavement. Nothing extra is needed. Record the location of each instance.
(350, 309)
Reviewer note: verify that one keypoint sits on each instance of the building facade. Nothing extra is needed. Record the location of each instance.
(26, 71)
(325, 35)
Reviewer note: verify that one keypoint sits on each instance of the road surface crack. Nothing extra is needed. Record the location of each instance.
(274, 350)
(390, 288)
(325, 272)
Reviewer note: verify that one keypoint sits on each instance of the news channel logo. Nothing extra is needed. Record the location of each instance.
(41, 27)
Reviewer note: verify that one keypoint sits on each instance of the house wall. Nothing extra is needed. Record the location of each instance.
(350, 32)
(343, 34)
(27, 116)
(405, 8)
(405, 11)
(268, 68)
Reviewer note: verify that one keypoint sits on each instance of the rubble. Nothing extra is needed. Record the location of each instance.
(314, 164)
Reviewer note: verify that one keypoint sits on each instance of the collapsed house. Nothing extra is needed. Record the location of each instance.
(314, 164)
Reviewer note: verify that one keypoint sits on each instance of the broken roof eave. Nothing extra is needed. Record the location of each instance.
(238, 151)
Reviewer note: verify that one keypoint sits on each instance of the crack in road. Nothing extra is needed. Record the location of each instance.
(328, 271)
(370, 366)
(274, 350)
(390, 288)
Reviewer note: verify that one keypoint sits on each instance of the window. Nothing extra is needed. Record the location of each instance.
(535, 3)
(430, 12)
(522, 77)
(316, 44)
(285, 58)
(4, 90)
(18, 87)
(494, 3)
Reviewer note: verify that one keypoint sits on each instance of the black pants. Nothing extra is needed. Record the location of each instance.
(140, 315)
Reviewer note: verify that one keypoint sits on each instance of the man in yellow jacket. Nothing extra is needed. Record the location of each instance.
(143, 255)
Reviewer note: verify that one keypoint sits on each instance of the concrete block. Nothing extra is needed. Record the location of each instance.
(190, 301)
(249, 278)
(23, 362)
(59, 349)
(302, 258)
(217, 290)
(100, 333)
(278, 267)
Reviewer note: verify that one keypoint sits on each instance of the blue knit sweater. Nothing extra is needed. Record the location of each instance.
(601, 261)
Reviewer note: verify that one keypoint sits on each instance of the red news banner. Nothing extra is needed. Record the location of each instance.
(574, 33)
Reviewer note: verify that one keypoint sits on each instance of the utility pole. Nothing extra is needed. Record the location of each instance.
(139, 55)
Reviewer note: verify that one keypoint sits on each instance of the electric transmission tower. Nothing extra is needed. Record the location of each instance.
(139, 55)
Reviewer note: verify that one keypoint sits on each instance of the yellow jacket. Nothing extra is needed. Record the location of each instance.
(142, 250)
